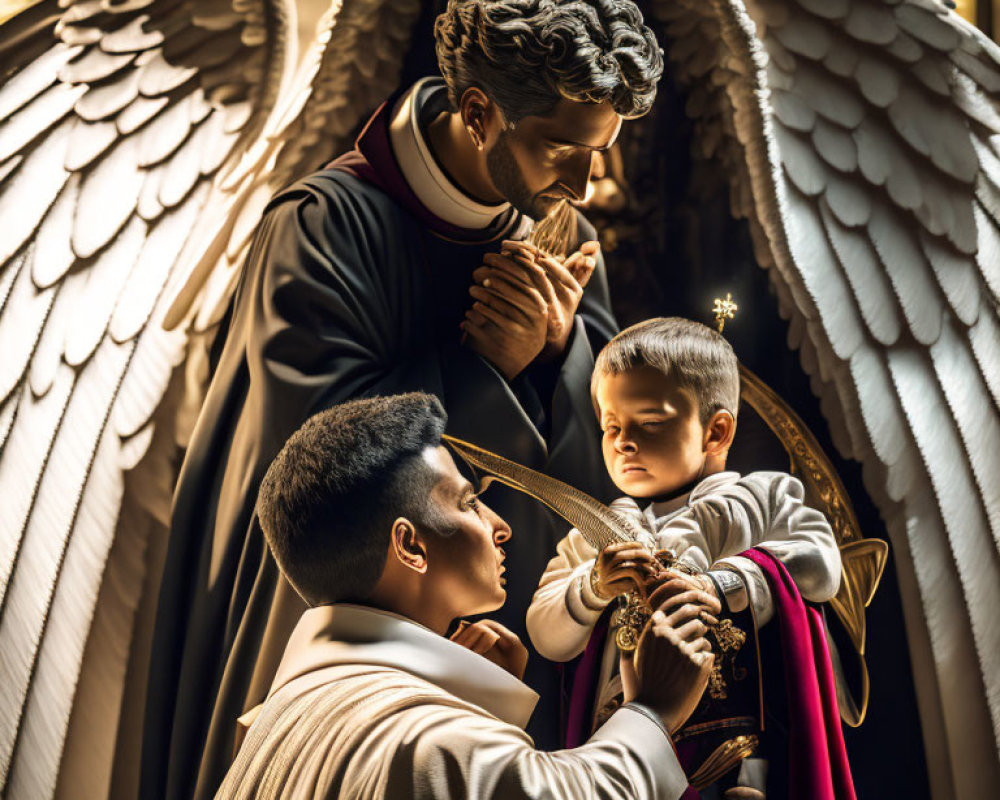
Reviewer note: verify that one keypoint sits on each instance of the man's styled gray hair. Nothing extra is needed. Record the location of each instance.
(526, 54)
(696, 356)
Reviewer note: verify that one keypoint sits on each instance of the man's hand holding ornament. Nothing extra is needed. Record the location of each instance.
(628, 567)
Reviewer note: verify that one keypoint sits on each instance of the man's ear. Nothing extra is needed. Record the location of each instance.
(719, 433)
(481, 117)
(408, 545)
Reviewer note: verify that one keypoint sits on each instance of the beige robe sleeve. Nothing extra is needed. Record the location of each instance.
(564, 609)
(366, 732)
(467, 755)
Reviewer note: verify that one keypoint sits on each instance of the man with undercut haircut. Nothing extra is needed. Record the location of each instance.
(396, 269)
(373, 525)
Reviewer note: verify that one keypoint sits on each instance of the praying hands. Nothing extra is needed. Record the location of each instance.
(524, 302)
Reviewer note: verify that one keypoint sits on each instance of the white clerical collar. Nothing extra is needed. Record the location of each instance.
(350, 634)
(423, 174)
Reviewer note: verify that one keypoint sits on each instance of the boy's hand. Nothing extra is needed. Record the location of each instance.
(672, 587)
(669, 583)
(494, 642)
(622, 567)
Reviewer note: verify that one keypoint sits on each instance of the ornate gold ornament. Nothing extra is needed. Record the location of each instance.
(628, 621)
(723, 310)
(722, 759)
(728, 640)
(634, 612)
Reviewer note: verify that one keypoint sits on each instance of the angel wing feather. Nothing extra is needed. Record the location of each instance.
(353, 66)
(598, 524)
(863, 140)
(116, 119)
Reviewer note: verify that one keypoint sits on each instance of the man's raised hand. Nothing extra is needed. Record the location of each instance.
(495, 643)
(673, 662)
(524, 303)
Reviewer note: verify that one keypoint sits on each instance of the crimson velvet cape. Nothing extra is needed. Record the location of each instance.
(814, 764)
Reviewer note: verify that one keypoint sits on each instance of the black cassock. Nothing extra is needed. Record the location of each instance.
(351, 289)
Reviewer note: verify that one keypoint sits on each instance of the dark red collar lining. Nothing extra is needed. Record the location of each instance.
(373, 160)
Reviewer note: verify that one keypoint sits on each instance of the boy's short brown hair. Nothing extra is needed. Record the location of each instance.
(699, 358)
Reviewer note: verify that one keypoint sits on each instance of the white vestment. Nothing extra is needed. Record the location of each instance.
(724, 515)
(367, 704)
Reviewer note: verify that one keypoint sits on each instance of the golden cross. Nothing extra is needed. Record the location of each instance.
(723, 310)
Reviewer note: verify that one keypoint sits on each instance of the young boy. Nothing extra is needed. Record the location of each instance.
(666, 392)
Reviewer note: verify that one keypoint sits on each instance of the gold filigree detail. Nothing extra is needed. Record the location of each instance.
(728, 639)
(729, 636)
(723, 759)
(717, 688)
(632, 616)
(629, 620)
(723, 310)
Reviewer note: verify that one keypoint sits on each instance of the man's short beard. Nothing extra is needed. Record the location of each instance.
(509, 180)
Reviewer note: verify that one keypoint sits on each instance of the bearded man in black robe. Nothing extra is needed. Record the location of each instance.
(385, 273)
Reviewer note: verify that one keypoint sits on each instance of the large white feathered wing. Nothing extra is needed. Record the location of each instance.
(115, 118)
(354, 64)
(864, 140)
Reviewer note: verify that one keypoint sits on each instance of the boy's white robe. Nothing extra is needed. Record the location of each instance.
(724, 515)
(367, 704)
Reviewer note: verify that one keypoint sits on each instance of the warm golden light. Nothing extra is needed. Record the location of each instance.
(967, 9)
(723, 310)
(11, 8)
